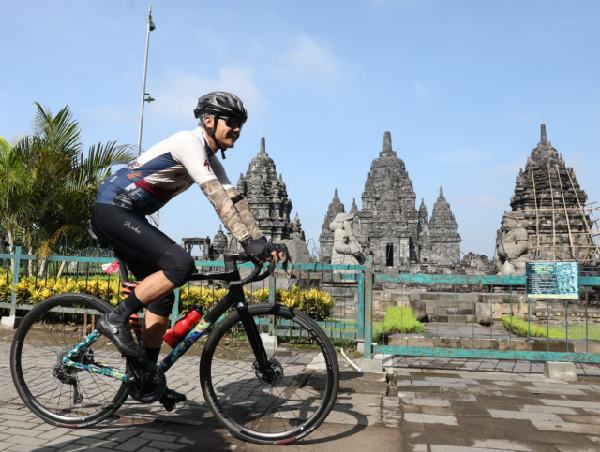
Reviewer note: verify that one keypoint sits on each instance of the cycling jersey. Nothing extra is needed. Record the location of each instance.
(162, 172)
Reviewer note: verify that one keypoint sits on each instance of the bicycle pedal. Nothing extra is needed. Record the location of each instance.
(169, 406)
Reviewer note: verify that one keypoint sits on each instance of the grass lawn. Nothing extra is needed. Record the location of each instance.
(576, 331)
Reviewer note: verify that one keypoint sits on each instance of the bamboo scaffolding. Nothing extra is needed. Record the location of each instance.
(552, 203)
(537, 217)
(582, 212)
(562, 195)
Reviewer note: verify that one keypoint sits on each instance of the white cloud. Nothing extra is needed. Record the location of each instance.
(177, 95)
(310, 60)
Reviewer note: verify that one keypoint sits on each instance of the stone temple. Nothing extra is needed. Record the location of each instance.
(549, 204)
(389, 226)
(268, 199)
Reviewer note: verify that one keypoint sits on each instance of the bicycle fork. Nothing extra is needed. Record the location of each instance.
(264, 367)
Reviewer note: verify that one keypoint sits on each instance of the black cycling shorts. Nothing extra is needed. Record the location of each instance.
(143, 247)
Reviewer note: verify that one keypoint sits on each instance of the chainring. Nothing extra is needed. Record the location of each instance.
(147, 381)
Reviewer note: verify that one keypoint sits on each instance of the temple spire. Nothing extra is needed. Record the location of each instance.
(335, 196)
(544, 137)
(387, 143)
(262, 146)
(441, 192)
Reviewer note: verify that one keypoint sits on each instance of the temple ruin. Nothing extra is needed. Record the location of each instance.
(550, 206)
(268, 200)
(389, 226)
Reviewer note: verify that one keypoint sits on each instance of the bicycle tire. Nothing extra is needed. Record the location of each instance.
(42, 338)
(311, 371)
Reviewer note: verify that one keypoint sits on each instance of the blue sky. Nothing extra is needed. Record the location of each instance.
(461, 85)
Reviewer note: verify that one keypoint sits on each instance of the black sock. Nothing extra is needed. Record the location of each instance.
(126, 308)
(152, 354)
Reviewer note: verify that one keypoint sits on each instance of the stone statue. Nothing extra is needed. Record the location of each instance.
(346, 249)
(512, 245)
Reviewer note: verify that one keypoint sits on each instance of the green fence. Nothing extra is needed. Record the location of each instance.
(86, 271)
(354, 318)
(577, 321)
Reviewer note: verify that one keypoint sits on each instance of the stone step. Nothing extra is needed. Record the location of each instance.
(453, 318)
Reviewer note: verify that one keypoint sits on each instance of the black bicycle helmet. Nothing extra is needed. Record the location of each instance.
(221, 104)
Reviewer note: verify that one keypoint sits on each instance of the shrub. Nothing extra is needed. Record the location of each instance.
(30, 290)
(397, 320)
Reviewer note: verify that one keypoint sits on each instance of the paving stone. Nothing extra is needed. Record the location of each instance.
(502, 444)
(95, 441)
(576, 449)
(572, 403)
(159, 437)
(25, 440)
(123, 435)
(582, 419)
(524, 415)
(567, 427)
(166, 446)
(548, 409)
(430, 419)
(453, 448)
(132, 444)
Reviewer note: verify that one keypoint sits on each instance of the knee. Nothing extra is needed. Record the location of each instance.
(163, 306)
(177, 265)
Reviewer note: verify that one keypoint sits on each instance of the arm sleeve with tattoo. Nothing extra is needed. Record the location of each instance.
(241, 205)
(227, 212)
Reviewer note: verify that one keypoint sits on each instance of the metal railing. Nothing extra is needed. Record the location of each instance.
(86, 270)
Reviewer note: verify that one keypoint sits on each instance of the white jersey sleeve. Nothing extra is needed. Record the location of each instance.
(190, 151)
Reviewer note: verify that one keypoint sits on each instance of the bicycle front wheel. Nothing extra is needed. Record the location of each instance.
(266, 410)
(61, 395)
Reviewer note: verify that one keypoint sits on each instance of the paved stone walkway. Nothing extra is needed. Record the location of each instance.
(436, 410)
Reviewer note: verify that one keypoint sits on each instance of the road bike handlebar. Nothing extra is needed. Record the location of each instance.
(231, 273)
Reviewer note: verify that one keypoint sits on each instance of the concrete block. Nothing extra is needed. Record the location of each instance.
(360, 345)
(10, 321)
(373, 365)
(560, 371)
(483, 313)
(269, 342)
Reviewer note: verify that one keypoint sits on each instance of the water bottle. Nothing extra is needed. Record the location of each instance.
(177, 332)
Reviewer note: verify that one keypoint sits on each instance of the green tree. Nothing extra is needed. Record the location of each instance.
(62, 180)
(13, 189)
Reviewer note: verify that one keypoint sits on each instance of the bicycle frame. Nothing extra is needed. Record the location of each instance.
(235, 295)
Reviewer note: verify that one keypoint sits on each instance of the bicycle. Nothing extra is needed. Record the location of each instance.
(268, 373)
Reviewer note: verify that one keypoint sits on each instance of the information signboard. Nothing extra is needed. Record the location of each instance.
(552, 280)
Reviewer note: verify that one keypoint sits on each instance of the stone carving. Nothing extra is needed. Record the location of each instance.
(326, 238)
(296, 244)
(346, 249)
(511, 253)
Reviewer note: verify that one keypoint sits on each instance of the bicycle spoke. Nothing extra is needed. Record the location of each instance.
(283, 404)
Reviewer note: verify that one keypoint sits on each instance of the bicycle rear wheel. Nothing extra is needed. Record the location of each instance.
(270, 412)
(60, 395)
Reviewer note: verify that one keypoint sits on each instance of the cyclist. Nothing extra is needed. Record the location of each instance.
(162, 172)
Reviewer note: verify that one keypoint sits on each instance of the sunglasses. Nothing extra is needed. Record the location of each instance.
(232, 121)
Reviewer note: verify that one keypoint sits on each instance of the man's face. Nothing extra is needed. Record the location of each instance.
(228, 130)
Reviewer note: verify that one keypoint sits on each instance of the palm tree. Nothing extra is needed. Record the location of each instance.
(63, 181)
(13, 194)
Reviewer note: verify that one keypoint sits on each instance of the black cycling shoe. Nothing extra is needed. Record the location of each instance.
(120, 335)
(170, 397)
